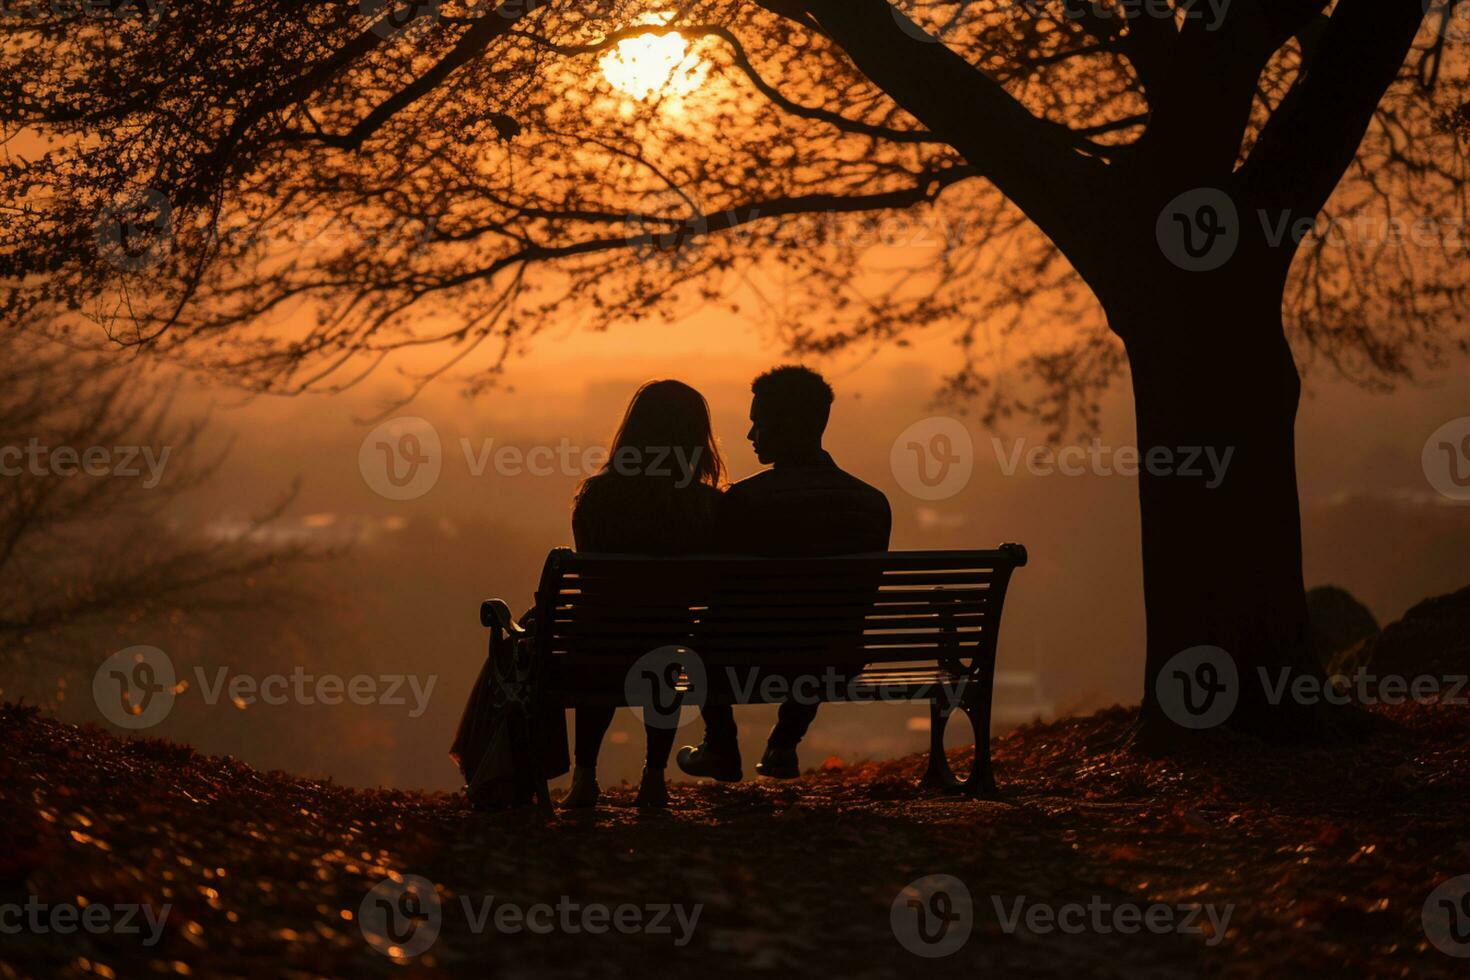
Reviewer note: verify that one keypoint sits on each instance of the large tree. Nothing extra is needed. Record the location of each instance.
(287, 193)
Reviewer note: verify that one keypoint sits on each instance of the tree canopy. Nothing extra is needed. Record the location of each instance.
(285, 194)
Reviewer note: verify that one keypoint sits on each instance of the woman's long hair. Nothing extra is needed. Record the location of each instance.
(666, 435)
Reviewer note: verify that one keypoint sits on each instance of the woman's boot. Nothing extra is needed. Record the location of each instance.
(584, 791)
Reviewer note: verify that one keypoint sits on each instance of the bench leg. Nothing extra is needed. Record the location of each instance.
(939, 775)
(974, 701)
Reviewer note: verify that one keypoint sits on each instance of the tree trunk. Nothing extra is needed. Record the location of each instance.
(1216, 392)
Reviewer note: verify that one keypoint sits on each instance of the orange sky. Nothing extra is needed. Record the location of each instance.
(1372, 522)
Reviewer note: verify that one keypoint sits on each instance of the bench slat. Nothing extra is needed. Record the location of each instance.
(980, 558)
(936, 598)
(871, 650)
(936, 641)
(600, 625)
(812, 591)
(765, 658)
(683, 581)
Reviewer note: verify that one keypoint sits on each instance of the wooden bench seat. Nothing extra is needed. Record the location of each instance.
(908, 625)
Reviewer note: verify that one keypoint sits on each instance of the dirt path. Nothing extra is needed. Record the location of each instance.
(1321, 858)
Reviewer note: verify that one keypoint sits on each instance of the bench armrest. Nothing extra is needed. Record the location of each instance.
(495, 613)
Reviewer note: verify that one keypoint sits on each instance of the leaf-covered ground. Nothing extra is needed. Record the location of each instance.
(1324, 857)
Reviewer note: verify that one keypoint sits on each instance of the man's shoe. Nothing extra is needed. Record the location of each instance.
(778, 763)
(652, 793)
(584, 791)
(702, 760)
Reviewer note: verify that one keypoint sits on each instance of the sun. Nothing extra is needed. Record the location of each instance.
(653, 64)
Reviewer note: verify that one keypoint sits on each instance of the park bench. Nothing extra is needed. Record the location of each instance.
(923, 623)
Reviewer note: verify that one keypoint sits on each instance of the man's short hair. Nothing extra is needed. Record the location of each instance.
(799, 396)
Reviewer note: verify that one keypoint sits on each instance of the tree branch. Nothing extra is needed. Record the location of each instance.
(1031, 161)
(482, 31)
(1296, 165)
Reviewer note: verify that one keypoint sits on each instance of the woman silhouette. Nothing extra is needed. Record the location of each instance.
(657, 495)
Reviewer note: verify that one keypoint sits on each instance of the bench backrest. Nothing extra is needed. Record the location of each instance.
(883, 607)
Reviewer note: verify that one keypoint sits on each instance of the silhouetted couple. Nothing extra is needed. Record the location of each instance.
(802, 506)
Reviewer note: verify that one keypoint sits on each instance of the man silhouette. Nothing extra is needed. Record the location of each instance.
(803, 506)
